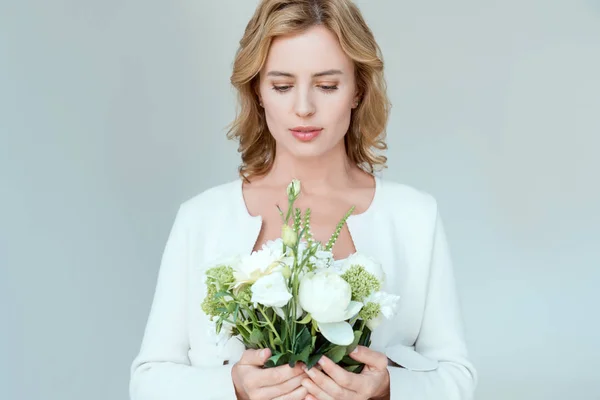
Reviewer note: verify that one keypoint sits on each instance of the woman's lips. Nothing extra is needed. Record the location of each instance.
(306, 135)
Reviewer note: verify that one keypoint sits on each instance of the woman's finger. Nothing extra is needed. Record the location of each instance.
(298, 394)
(340, 376)
(324, 384)
(315, 392)
(372, 358)
(282, 389)
(277, 375)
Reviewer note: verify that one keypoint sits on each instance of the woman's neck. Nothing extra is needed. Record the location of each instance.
(315, 174)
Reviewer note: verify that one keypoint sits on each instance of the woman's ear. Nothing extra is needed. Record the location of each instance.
(256, 87)
(357, 97)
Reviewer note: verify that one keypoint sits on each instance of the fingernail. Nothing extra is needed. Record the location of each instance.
(263, 352)
(308, 372)
(355, 350)
(322, 360)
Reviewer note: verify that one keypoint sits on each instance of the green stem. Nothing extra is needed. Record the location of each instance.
(362, 325)
(262, 311)
(250, 313)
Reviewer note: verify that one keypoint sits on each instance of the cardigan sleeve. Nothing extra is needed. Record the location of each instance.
(440, 368)
(162, 370)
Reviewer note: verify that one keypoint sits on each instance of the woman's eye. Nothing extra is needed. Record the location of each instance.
(328, 88)
(281, 88)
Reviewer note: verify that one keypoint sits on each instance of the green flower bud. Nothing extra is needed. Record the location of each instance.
(293, 190)
(369, 311)
(362, 282)
(286, 271)
(289, 236)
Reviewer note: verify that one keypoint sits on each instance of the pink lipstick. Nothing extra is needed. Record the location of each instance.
(306, 133)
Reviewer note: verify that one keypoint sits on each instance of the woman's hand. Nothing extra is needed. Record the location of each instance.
(253, 382)
(372, 383)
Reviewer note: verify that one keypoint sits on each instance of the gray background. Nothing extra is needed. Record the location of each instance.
(114, 112)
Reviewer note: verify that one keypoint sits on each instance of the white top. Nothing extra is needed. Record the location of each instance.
(402, 229)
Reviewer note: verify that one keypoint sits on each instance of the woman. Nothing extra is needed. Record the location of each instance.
(313, 107)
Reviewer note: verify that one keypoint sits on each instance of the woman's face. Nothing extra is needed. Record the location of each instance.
(308, 90)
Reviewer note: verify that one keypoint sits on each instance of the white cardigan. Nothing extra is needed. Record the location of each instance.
(402, 229)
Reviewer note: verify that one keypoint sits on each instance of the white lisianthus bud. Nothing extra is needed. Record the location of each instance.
(289, 236)
(293, 190)
(286, 271)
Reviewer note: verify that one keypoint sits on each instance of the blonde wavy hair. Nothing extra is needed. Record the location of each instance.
(273, 18)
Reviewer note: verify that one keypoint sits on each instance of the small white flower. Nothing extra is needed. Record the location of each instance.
(370, 265)
(387, 303)
(322, 259)
(271, 290)
(261, 262)
(327, 297)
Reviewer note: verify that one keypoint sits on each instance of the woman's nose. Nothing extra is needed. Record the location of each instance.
(304, 106)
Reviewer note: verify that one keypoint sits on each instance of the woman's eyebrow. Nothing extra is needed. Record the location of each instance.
(315, 75)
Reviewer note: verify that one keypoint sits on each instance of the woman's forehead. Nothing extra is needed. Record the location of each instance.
(313, 51)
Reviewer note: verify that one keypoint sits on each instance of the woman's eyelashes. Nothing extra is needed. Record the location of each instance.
(323, 87)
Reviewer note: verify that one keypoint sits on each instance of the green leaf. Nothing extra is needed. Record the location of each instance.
(359, 369)
(305, 320)
(245, 335)
(365, 339)
(346, 360)
(352, 368)
(303, 340)
(256, 336)
(272, 361)
(302, 356)
(352, 346)
(336, 354)
(222, 294)
(283, 360)
(235, 313)
(312, 360)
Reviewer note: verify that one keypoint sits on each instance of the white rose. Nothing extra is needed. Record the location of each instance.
(370, 265)
(327, 297)
(271, 290)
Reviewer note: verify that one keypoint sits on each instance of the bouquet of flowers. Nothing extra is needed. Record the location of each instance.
(291, 297)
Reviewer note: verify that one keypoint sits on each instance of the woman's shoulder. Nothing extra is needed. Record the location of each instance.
(213, 202)
(405, 199)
